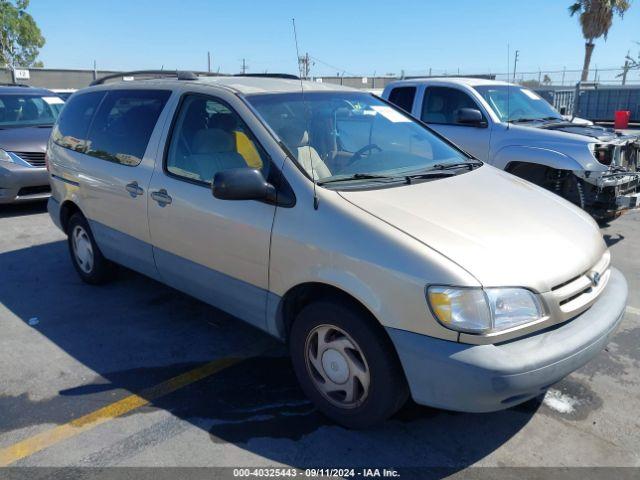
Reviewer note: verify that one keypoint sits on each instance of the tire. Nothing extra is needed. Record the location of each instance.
(561, 182)
(86, 257)
(536, 174)
(570, 188)
(359, 359)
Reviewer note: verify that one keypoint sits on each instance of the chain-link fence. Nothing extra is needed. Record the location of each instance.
(563, 77)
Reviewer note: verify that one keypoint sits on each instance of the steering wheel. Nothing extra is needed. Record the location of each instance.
(363, 150)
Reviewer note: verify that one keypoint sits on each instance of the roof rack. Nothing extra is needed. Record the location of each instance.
(8, 84)
(287, 76)
(180, 75)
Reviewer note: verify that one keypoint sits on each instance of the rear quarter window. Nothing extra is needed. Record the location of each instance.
(403, 97)
(122, 126)
(73, 124)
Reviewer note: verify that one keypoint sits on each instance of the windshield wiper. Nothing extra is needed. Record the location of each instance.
(428, 175)
(450, 166)
(357, 176)
(524, 120)
(528, 120)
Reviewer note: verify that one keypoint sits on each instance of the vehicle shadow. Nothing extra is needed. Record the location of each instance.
(611, 240)
(135, 333)
(21, 209)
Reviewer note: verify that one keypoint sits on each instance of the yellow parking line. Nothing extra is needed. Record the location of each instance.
(45, 439)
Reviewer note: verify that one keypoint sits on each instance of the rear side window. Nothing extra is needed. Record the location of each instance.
(123, 124)
(441, 105)
(73, 123)
(403, 97)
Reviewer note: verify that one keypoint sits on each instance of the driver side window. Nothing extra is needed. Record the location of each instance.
(441, 105)
(209, 137)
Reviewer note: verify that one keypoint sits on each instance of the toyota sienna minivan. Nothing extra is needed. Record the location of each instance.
(392, 263)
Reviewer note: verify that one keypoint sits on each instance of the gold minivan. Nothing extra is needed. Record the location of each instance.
(390, 261)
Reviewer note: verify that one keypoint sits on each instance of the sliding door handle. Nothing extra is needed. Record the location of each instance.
(134, 189)
(161, 197)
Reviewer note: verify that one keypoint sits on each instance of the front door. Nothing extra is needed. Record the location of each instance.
(439, 110)
(216, 250)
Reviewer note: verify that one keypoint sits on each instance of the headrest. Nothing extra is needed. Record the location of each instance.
(223, 121)
(196, 114)
(435, 103)
(29, 111)
(294, 136)
(213, 140)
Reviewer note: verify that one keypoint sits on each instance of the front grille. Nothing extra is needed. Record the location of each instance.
(34, 158)
(26, 191)
(577, 294)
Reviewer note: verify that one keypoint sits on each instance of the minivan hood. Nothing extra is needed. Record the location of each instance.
(501, 229)
(25, 139)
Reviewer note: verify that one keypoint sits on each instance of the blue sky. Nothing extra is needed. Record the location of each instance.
(350, 35)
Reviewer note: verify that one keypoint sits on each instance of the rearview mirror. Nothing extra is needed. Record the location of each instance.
(242, 184)
(471, 117)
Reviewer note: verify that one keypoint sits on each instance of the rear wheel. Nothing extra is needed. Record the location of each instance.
(86, 257)
(346, 365)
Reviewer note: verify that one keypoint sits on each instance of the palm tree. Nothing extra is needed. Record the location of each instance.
(596, 18)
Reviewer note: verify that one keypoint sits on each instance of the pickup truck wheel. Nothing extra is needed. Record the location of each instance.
(561, 182)
(345, 365)
(536, 174)
(86, 257)
(570, 188)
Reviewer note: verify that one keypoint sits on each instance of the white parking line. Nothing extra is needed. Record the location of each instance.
(634, 310)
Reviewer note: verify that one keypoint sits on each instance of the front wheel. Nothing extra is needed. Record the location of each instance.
(346, 365)
(561, 182)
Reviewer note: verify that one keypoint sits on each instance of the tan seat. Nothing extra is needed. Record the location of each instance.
(297, 139)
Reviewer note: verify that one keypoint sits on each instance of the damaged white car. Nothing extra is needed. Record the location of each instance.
(513, 128)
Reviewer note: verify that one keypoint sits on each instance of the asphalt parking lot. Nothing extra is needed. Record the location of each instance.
(137, 374)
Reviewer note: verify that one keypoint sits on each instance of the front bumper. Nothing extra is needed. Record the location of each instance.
(485, 378)
(20, 183)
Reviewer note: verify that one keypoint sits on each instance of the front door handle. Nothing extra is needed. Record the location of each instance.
(161, 197)
(134, 189)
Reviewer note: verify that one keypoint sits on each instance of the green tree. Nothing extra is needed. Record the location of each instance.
(596, 18)
(20, 37)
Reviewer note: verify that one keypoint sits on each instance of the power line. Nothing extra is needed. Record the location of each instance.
(338, 69)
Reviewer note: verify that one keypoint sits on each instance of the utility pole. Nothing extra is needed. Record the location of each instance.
(305, 64)
(515, 64)
(208, 62)
(625, 69)
(244, 66)
(564, 70)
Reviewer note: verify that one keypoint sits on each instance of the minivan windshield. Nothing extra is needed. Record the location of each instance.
(25, 110)
(353, 136)
(516, 104)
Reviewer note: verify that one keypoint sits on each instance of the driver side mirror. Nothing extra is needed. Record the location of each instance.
(242, 184)
(471, 117)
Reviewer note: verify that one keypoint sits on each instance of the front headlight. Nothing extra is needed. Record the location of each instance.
(478, 310)
(10, 157)
(5, 157)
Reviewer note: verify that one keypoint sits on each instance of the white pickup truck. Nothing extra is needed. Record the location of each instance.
(513, 128)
